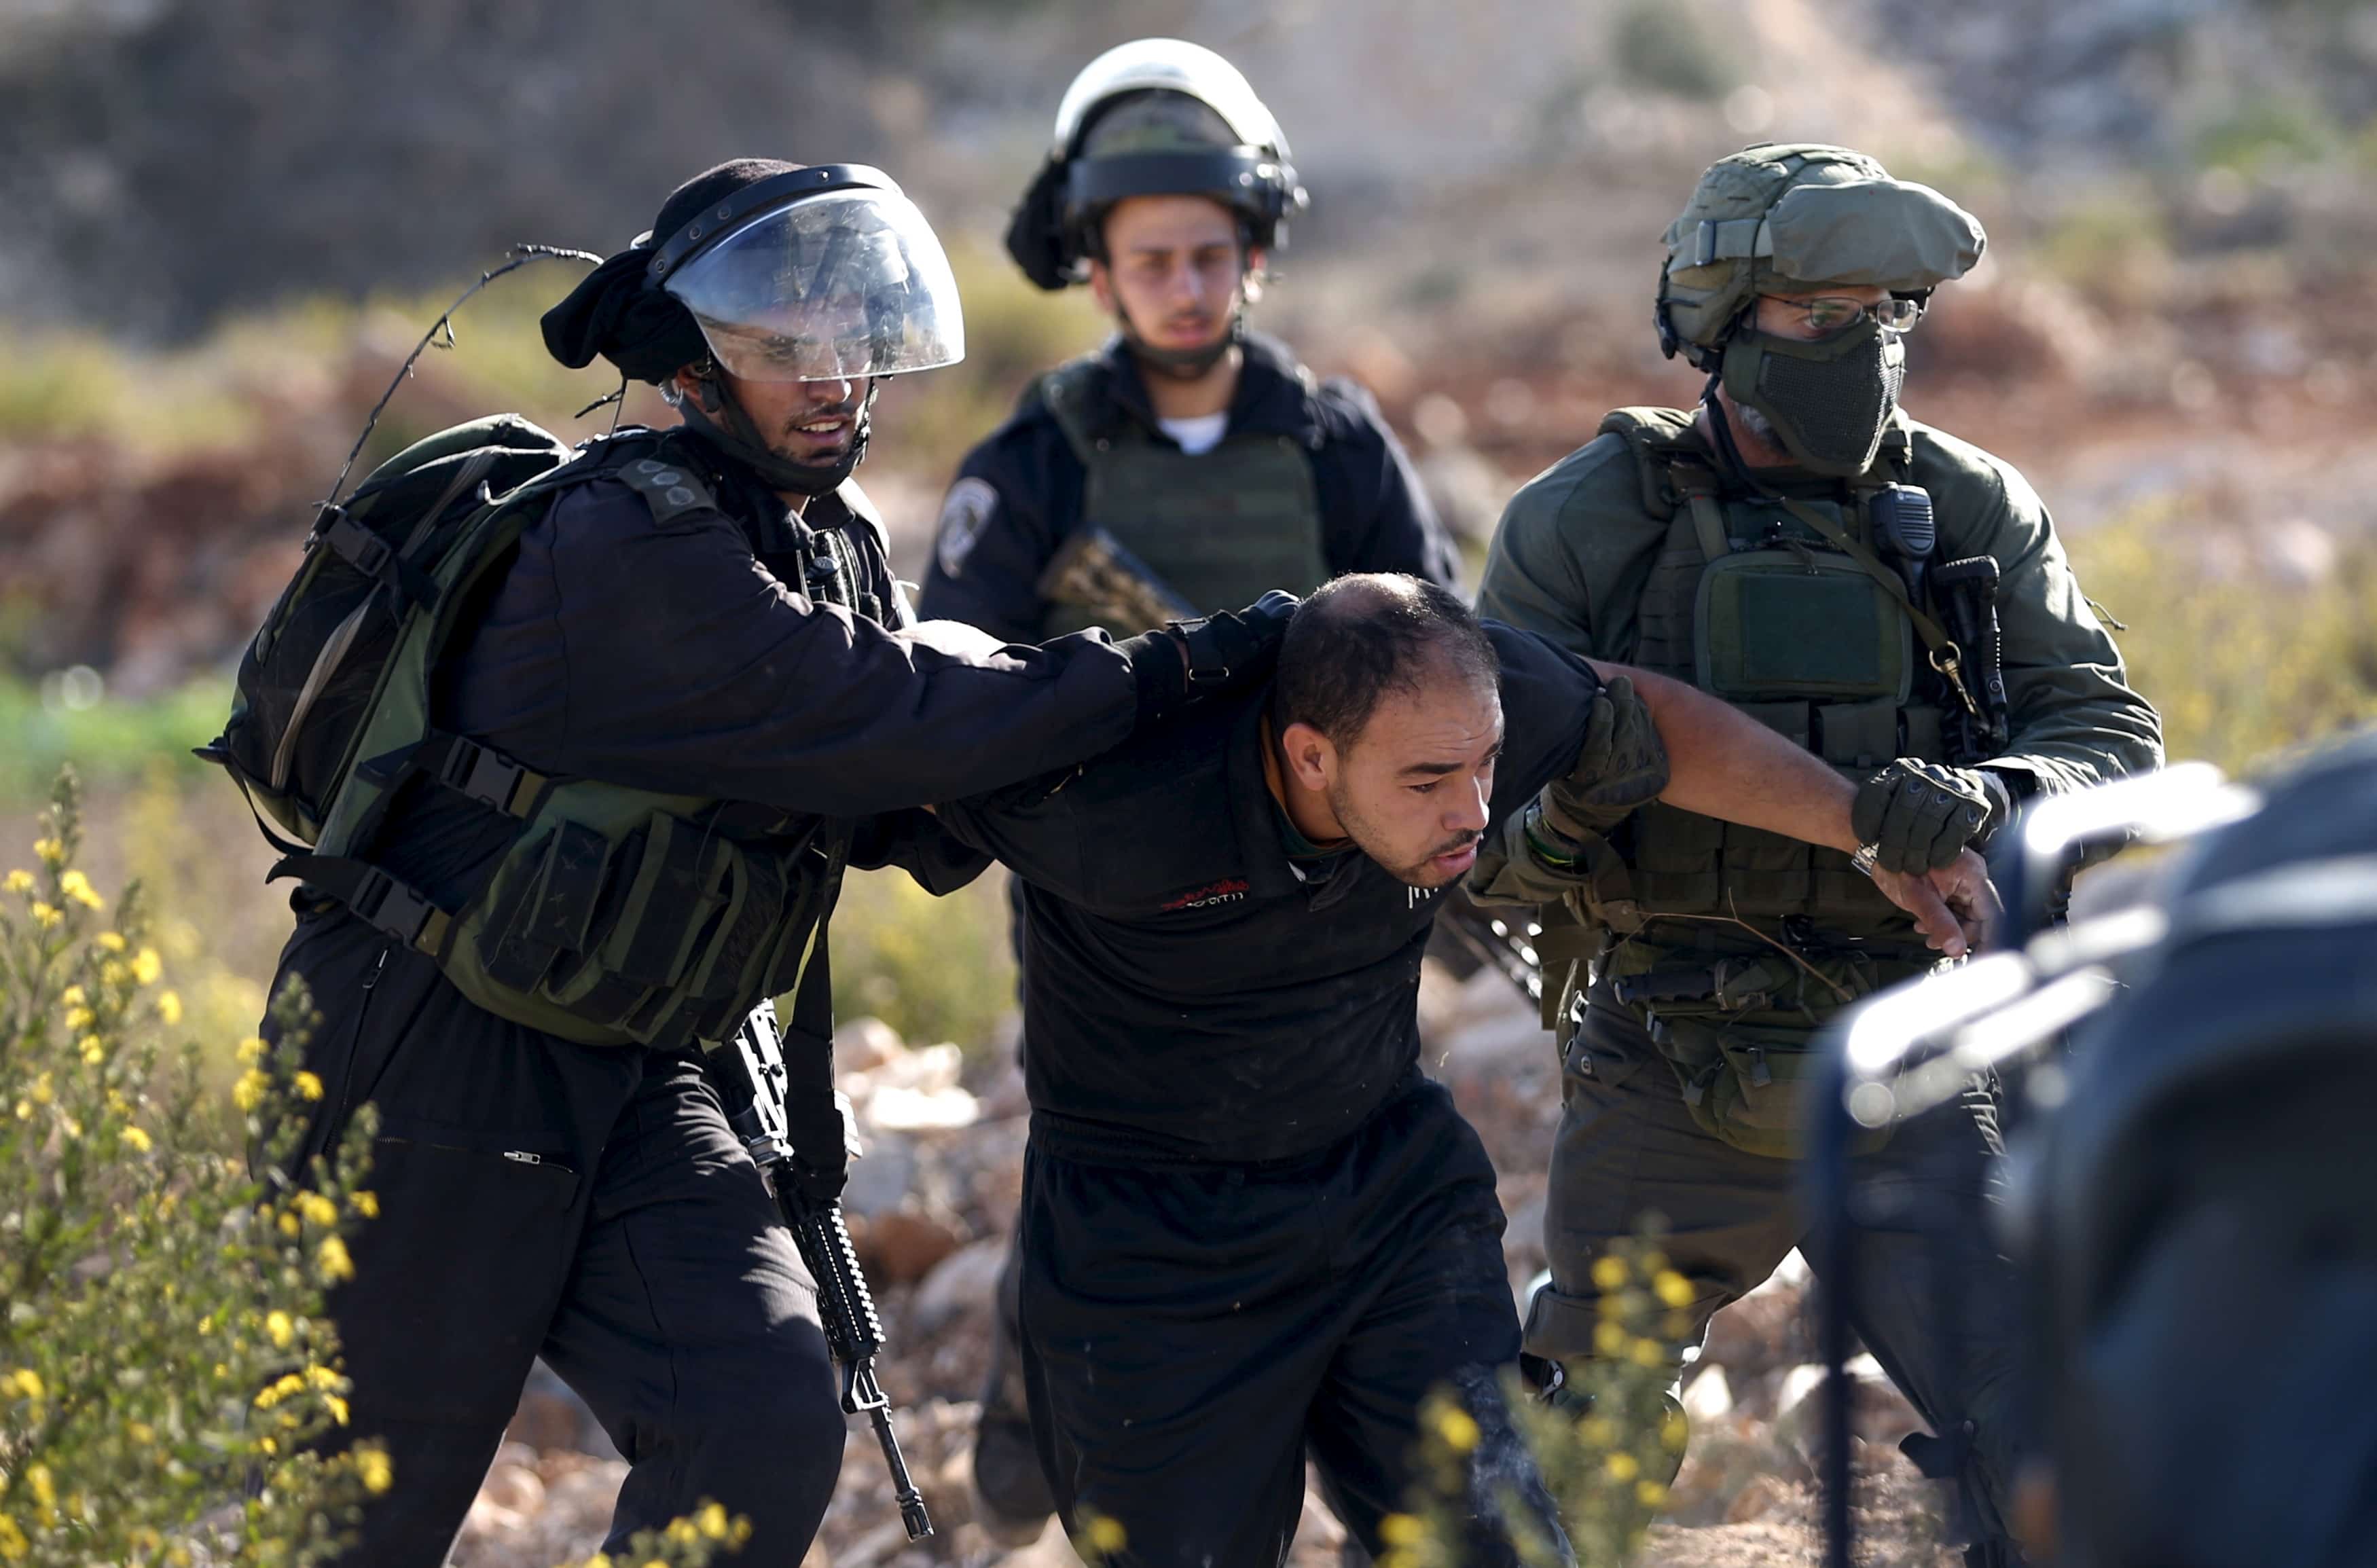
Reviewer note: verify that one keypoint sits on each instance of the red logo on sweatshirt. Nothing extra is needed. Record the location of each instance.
(1229, 890)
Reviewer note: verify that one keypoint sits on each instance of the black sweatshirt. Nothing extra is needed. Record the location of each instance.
(1189, 995)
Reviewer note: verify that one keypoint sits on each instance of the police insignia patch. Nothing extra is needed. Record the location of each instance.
(969, 505)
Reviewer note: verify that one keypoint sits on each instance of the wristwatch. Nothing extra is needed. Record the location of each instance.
(1866, 857)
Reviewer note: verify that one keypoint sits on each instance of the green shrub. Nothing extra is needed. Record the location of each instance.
(2241, 666)
(167, 1378)
(933, 968)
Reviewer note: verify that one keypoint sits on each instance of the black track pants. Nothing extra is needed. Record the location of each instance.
(587, 1206)
(1189, 1334)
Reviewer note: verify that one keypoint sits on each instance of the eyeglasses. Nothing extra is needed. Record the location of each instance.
(1827, 314)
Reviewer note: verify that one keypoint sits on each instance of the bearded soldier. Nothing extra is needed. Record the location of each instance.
(1189, 454)
(1887, 596)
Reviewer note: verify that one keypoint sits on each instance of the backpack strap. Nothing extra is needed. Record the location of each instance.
(1673, 471)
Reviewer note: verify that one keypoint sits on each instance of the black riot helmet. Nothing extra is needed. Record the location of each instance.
(1153, 117)
(771, 271)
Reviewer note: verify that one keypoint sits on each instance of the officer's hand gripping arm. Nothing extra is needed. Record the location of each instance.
(1720, 762)
(1221, 653)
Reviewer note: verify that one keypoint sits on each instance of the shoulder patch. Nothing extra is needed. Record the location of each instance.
(968, 507)
(670, 490)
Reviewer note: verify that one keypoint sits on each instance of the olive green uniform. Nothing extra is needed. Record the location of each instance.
(1684, 1106)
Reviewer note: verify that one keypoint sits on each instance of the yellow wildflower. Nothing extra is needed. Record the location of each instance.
(338, 1407)
(77, 886)
(317, 1209)
(1609, 1338)
(289, 1225)
(1458, 1429)
(1598, 1431)
(371, 1466)
(168, 1008)
(93, 1048)
(51, 851)
(1622, 1467)
(147, 967)
(24, 1381)
(365, 1204)
(252, 1049)
(1401, 1529)
(1673, 1288)
(137, 1140)
(81, 1017)
(248, 1093)
(1650, 1495)
(1674, 1431)
(45, 1491)
(1610, 1273)
(45, 915)
(682, 1532)
(1107, 1535)
(141, 1431)
(20, 880)
(42, 1091)
(336, 1265)
(113, 973)
(1647, 1353)
(308, 1087)
(322, 1377)
(72, 997)
(111, 941)
(278, 1327)
(600, 1560)
(711, 1521)
(13, 1544)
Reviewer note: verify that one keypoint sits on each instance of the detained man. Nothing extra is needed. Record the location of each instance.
(1252, 1227)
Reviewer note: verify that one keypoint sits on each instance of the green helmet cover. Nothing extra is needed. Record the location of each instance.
(1789, 217)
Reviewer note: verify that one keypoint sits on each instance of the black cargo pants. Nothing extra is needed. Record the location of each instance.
(1190, 1333)
(587, 1206)
(1627, 1146)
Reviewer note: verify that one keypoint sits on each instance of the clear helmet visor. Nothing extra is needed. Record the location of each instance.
(834, 287)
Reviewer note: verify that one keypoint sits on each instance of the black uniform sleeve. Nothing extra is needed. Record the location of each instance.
(1547, 695)
(995, 535)
(1377, 516)
(917, 843)
(666, 657)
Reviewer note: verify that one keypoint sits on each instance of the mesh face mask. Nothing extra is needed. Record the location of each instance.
(1828, 401)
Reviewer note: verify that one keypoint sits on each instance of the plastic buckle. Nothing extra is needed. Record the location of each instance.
(359, 547)
(390, 906)
(480, 773)
(1199, 679)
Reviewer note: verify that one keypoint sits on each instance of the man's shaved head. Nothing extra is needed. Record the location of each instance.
(1361, 637)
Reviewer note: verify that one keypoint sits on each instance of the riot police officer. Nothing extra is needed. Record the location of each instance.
(669, 712)
(1885, 594)
(1203, 456)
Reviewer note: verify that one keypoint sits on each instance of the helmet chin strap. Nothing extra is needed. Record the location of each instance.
(713, 412)
(1181, 364)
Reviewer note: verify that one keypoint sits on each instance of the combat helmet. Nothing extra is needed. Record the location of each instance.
(1793, 217)
(1153, 117)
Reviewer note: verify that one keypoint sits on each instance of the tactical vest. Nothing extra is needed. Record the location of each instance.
(614, 915)
(1221, 528)
(1746, 601)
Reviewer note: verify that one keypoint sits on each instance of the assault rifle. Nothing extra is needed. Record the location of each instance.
(1092, 571)
(749, 1074)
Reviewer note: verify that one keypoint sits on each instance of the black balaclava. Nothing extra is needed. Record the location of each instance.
(617, 312)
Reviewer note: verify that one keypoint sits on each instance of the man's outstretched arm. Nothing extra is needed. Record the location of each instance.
(1654, 737)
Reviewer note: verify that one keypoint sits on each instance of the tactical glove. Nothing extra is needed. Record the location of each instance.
(1621, 767)
(1919, 816)
(824, 1136)
(1213, 657)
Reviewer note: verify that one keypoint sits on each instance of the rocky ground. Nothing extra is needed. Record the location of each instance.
(931, 1206)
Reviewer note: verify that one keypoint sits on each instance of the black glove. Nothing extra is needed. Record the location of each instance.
(1919, 816)
(1621, 767)
(1213, 657)
(823, 1134)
